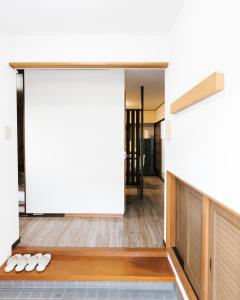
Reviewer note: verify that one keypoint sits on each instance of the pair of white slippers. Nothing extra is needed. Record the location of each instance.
(28, 262)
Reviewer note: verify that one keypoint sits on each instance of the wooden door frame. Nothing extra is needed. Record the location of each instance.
(18, 65)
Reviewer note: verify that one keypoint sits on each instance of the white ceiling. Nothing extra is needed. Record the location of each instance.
(153, 82)
(87, 17)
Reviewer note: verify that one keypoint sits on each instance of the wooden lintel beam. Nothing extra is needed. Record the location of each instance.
(88, 65)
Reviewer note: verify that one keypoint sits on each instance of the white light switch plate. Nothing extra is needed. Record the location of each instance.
(8, 132)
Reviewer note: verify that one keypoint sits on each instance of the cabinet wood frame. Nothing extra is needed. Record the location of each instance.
(171, 234)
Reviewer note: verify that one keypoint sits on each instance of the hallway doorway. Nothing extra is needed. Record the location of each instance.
(142, 224)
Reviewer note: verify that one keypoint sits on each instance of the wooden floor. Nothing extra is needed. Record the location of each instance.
(141, 226)
(98, 265)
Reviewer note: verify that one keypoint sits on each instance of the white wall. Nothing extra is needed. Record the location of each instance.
(52, 48)
(205, 146)
(8, 155)
(80, 48)
(74, 141)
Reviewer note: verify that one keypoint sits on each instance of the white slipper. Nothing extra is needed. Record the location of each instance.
(12, 262)
(33, 261)
(22, 262)
(44, 261)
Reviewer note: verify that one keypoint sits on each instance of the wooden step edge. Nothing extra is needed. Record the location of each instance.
(94, 264)
(92, 278)
(91, 251)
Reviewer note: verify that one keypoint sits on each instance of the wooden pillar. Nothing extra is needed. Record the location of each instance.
(171, 211)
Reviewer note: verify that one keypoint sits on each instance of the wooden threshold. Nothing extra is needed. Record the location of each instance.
(99, 264)
(88, 65)
(206, 88)
(92, 251)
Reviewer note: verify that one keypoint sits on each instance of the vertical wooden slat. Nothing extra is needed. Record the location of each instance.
(157, 154)
(181, 219)
(137, 147)
(205, 249)
(132, 148)
(127, 146)
(141, 151)
(224, 251)
(192, 265)
(171, 211)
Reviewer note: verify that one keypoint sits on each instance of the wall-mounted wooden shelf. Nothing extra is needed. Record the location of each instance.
(88, 65)
(209, 86)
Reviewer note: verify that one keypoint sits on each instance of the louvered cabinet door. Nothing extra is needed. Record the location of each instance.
(194, 239)
(225, 254)
(181, 219)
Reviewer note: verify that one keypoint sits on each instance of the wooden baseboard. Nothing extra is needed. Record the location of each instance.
(14, 245)
(179, 292)
(93, 215)
(182, 276)
(44, 215)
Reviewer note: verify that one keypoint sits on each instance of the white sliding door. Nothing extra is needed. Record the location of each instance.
(74, 140)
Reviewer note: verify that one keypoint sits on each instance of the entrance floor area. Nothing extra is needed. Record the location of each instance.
(93, 273)
(89, 293)
(141, 226)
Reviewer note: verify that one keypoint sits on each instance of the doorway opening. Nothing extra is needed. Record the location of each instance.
(142, 224)
(144, 189)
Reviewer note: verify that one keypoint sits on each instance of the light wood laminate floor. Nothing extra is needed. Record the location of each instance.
(141, 226)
